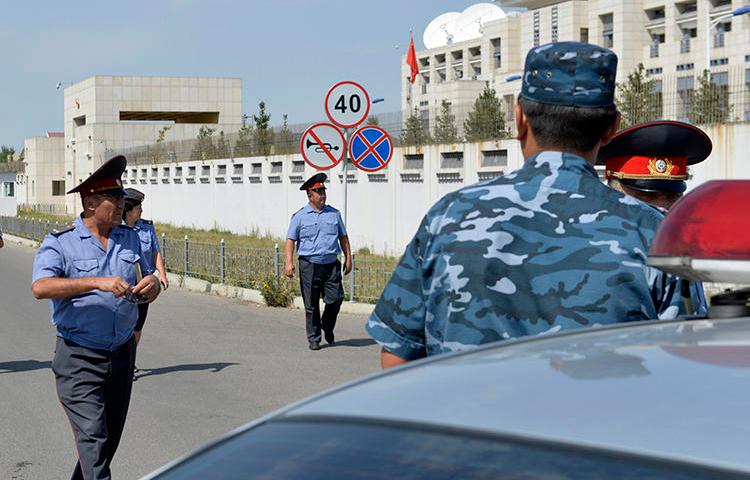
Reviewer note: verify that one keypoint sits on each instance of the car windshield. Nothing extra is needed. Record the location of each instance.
(350, 450)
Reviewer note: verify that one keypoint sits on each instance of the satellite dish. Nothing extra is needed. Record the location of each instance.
(441, 30)
(470, 21)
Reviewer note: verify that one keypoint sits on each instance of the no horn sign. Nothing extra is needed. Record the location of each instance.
(370, 148)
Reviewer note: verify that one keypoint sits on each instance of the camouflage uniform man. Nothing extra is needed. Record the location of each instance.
(547, 248)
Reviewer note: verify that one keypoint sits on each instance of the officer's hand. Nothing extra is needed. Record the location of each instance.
(289, 270)
(164, 280)
(116, 285)
(347, 266)
(148, 287)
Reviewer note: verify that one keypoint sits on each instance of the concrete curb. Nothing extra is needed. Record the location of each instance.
(250, 295)
(20, 240)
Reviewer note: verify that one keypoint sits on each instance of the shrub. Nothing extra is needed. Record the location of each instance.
(277, 291)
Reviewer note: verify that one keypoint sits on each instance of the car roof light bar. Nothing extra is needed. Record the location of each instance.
(706, 235)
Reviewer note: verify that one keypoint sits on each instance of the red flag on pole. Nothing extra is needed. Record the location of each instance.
(411, 60)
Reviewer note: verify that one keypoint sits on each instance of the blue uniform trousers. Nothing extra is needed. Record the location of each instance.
(94, 388)
(316, 280)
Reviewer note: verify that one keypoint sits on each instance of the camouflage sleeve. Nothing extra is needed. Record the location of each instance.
(398, 322)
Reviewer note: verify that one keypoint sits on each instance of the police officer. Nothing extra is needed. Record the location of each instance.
(650, 162)
(547, 248)
(149, 246)
(94, 273)
(320, 235)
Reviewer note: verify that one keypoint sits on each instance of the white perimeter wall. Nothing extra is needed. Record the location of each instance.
(383, 213)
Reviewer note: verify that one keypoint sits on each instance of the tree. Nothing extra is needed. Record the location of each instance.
(159, 150)
(222, 146)
(446, 130)
(263, 134)
(6, 154)
(204, 148)
(637, 99)
(372, 120)
(243, 147)
(710, 102)
(415, 130)
(486, 121)
(286, 143)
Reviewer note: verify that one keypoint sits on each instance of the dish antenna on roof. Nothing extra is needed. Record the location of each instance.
(441, 30)
(469, 23)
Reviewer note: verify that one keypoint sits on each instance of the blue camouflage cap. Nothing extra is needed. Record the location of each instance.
(572, 74)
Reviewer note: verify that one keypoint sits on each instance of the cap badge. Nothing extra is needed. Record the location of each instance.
(660, 167)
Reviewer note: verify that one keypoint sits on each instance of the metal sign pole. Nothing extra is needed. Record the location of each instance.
(346, 179)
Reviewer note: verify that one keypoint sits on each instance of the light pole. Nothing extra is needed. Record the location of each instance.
(710, 24)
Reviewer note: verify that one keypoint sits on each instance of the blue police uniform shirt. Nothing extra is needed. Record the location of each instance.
(317, 233)
(149, 241)
(93, 319)
(546, 248)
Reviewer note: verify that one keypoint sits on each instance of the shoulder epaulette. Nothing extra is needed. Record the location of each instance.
(295, 213)
(59, 231)
(125, 226)
(147, 222)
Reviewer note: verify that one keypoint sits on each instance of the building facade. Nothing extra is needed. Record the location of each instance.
(43, 181)
(105, 114)
(675, 40)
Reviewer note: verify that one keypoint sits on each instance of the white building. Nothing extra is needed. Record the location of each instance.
(104, 114)
(42, 185)
(669, 37)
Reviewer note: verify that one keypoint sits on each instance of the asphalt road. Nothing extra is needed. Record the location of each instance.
(210, 364)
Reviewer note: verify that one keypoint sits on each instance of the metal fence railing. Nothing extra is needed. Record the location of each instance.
(229, 265)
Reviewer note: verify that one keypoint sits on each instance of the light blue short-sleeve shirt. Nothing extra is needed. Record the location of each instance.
(94, 319)
(149, 241)
(317, 233)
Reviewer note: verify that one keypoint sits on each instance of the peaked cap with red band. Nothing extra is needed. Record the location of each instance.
(316, 181)
(653, 156)
(106, 178)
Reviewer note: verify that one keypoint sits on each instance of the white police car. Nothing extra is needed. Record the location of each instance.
(662, 399)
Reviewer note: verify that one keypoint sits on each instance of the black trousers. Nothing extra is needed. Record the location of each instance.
(316, 280)
(94, 388)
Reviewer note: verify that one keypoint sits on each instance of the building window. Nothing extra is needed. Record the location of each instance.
(205, 170)
(221, 170)
(276, 167)
(165, 172)
(452, 160)
(608, 34)
(721, 29)
(9, 189)
(58, 188)
(413, 162)
(687, 34)
(747, 94)
(298, 166)
(497, 52)
(536, 29)
(154, 172)
(494, 158)
(554, 24)
(238, 169)
(256, 169)
(685, 87)
(584, 35)
(79, 121)
(178, 171)
(191, 171)
(656, 40)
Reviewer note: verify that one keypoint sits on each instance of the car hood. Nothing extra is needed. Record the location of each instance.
(673, 389)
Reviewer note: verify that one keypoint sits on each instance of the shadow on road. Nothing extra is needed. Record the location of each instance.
(355, 342)
(187, 367)
(24, 366)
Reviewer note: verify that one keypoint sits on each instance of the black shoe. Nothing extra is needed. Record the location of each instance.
(314, 345)
(330, 339)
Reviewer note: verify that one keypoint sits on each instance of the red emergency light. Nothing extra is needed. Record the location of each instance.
(706, 235)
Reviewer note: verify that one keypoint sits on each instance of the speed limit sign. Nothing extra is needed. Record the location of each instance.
(347, 104)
